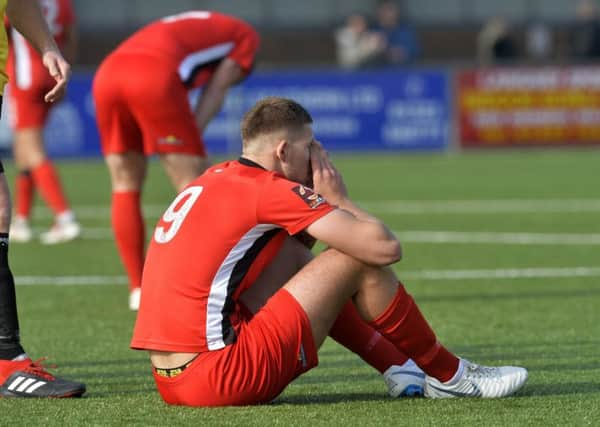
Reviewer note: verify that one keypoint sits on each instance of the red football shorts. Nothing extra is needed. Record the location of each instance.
(142, 105)
(272, 349)
(26, 96)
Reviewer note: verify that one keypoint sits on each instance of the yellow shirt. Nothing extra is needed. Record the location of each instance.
(3, 48)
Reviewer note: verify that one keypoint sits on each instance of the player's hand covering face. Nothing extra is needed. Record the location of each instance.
(327, 181)
(295, 158)
(60, 70)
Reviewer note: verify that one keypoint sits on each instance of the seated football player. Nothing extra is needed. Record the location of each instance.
(248, 306)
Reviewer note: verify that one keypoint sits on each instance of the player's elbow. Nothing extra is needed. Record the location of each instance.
(385, 249)
(395, 252)
(390, 252)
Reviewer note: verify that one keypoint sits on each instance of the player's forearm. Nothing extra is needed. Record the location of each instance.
(209, 105)
(349, 206)
(26, 17)
(71, 44)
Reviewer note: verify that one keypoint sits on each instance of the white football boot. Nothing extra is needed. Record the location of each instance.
(65, 229)
(20, 231)
(134, 299)
(478, 381)
(406, 380)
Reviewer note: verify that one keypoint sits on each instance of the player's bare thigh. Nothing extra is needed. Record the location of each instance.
(127, 170)
(321, 285)
(5, 206)
(28, 148)
(183, 168)
(324, 285)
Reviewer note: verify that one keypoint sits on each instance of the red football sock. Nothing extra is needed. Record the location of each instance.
(48, 183)
(24, 194)
(404, 325)
(130, 234)
(351, 331)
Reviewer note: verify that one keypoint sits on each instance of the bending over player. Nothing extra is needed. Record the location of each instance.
(141, 95)
(248, 307)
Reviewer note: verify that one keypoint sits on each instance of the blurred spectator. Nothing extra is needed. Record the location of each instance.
(401, 45)
(585, 36)
(357, 47)
(539, 42)
(495, 42)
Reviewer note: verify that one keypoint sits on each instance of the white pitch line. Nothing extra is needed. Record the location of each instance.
(483, 206)
(488, 237)
(478, 274)
(102, 212)
(70, 280)
(407, 207)
(502, 273)
(447, 237)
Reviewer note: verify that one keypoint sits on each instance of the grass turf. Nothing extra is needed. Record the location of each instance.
(549, 325)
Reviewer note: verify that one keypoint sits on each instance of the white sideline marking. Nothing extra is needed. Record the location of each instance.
(483, 206)
(498, 237)
(103, 211)
(500, 273)
(401, 207)
(441, 237)
(71, 280)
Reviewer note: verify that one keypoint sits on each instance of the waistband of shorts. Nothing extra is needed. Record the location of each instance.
(173, 372)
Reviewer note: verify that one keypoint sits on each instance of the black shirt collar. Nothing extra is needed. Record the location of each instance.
(248, 162)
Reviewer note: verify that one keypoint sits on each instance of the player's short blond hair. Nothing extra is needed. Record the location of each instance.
(273, 114)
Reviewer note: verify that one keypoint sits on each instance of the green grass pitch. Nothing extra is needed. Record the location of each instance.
(501, 251)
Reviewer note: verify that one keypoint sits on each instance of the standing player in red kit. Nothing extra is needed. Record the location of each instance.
(142, 109)
(234, 307)
(29, 81)
(19, 375)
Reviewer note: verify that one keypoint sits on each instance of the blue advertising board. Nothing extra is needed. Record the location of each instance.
(385, 110)
(71, 129)
(379, 110)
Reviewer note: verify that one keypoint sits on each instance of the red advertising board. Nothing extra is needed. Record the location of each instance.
(528, 106)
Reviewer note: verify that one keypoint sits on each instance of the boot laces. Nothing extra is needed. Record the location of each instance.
(478, 371)
(39, 370)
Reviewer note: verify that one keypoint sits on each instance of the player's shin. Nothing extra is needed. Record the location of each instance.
(24, 194)
(403, 324)
(47, 181)
(351, 331)
(129, 231)
(9, 323)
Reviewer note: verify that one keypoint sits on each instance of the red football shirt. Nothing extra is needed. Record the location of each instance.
(194, 42)
(203, 246)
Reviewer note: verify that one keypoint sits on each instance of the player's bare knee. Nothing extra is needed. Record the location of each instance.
(127, 181)
(341, 260)
(375, 276)
(127, 172)
(5, 212)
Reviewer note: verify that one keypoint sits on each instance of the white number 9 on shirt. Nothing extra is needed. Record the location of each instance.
(174, 217)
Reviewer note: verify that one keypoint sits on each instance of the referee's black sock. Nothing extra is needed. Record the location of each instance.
(10, 346)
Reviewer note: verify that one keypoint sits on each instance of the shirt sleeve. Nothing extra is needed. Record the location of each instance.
(290, 205)
(245, 48)
(68, 14)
